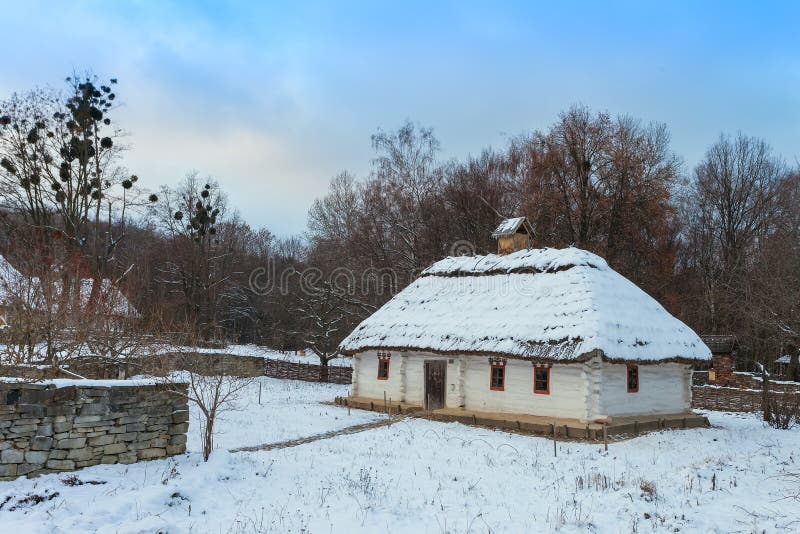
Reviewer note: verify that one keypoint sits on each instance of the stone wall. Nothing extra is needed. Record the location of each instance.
(209, 364)
(60, 427)
(213, 364)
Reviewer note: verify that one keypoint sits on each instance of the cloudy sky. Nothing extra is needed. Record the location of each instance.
(273, 99)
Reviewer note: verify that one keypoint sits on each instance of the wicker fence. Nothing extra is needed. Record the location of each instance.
(735, 399)
(307, 372)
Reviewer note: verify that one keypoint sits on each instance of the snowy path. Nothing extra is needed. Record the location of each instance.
(355, 429)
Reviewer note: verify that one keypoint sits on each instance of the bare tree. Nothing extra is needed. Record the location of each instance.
(199, 268)
(214, 395)
(730, 207)
(326, 313)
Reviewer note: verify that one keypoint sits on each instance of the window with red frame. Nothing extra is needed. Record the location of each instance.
(633, 378)
(383, 368)
(498, 378)
(541, 380)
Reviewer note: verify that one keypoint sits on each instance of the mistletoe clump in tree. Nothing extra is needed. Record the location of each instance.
(197, 269)
(60, 176)
(202, 217)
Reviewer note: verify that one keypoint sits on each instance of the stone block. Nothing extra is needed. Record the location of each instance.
(148, 454)
(24, 469)
(71, 443)
(128, 436)
(135, 427)
(147, 436)
(27, 421)
(181, 416)
(115, 448)
(31, 410)
(41, 443)
(8, 470)
(133, 419)
(95, 408)
(62, 427)
(181, 428)
(110, 459)
(179, 439)
(64, 395)
(101, 440)
(60, 410)
(90, 418)
(22, 429)
(158, 442)
(175, 449)
(127, 458)
(86, 463)
(37, 457)
(81, 454)
(45, 429)
(12, 456)
(58, 455)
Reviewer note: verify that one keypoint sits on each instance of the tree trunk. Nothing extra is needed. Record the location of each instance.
(208, 437)
(323, 370)
(765, 396)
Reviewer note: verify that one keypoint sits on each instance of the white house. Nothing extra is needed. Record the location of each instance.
(550, 332)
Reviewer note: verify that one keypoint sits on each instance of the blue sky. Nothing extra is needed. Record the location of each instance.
(273, 99)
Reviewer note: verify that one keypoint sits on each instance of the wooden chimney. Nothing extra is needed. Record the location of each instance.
(512, 235)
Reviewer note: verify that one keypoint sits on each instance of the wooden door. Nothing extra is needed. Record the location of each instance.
(435, 374)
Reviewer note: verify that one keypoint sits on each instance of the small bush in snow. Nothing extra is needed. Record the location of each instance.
(648, 488)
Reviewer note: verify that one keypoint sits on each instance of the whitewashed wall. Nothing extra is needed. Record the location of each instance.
(365, 377)
(406, 377)
(582, 391)
(567, 396)
(663, 389)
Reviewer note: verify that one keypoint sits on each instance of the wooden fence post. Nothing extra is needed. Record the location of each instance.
(555, 430)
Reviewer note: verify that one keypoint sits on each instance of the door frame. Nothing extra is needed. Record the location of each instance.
(443, 363)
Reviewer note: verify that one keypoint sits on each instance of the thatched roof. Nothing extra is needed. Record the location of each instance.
(544, 304)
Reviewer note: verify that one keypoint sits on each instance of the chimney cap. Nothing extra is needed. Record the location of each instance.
(512, 226)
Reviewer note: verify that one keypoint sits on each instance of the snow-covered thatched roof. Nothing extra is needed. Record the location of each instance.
(9, 280)
(16, 287)
(543, 304)
(111, 300)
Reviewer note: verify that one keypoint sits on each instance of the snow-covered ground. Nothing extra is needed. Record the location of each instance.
(422, 476)
(289, 409)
